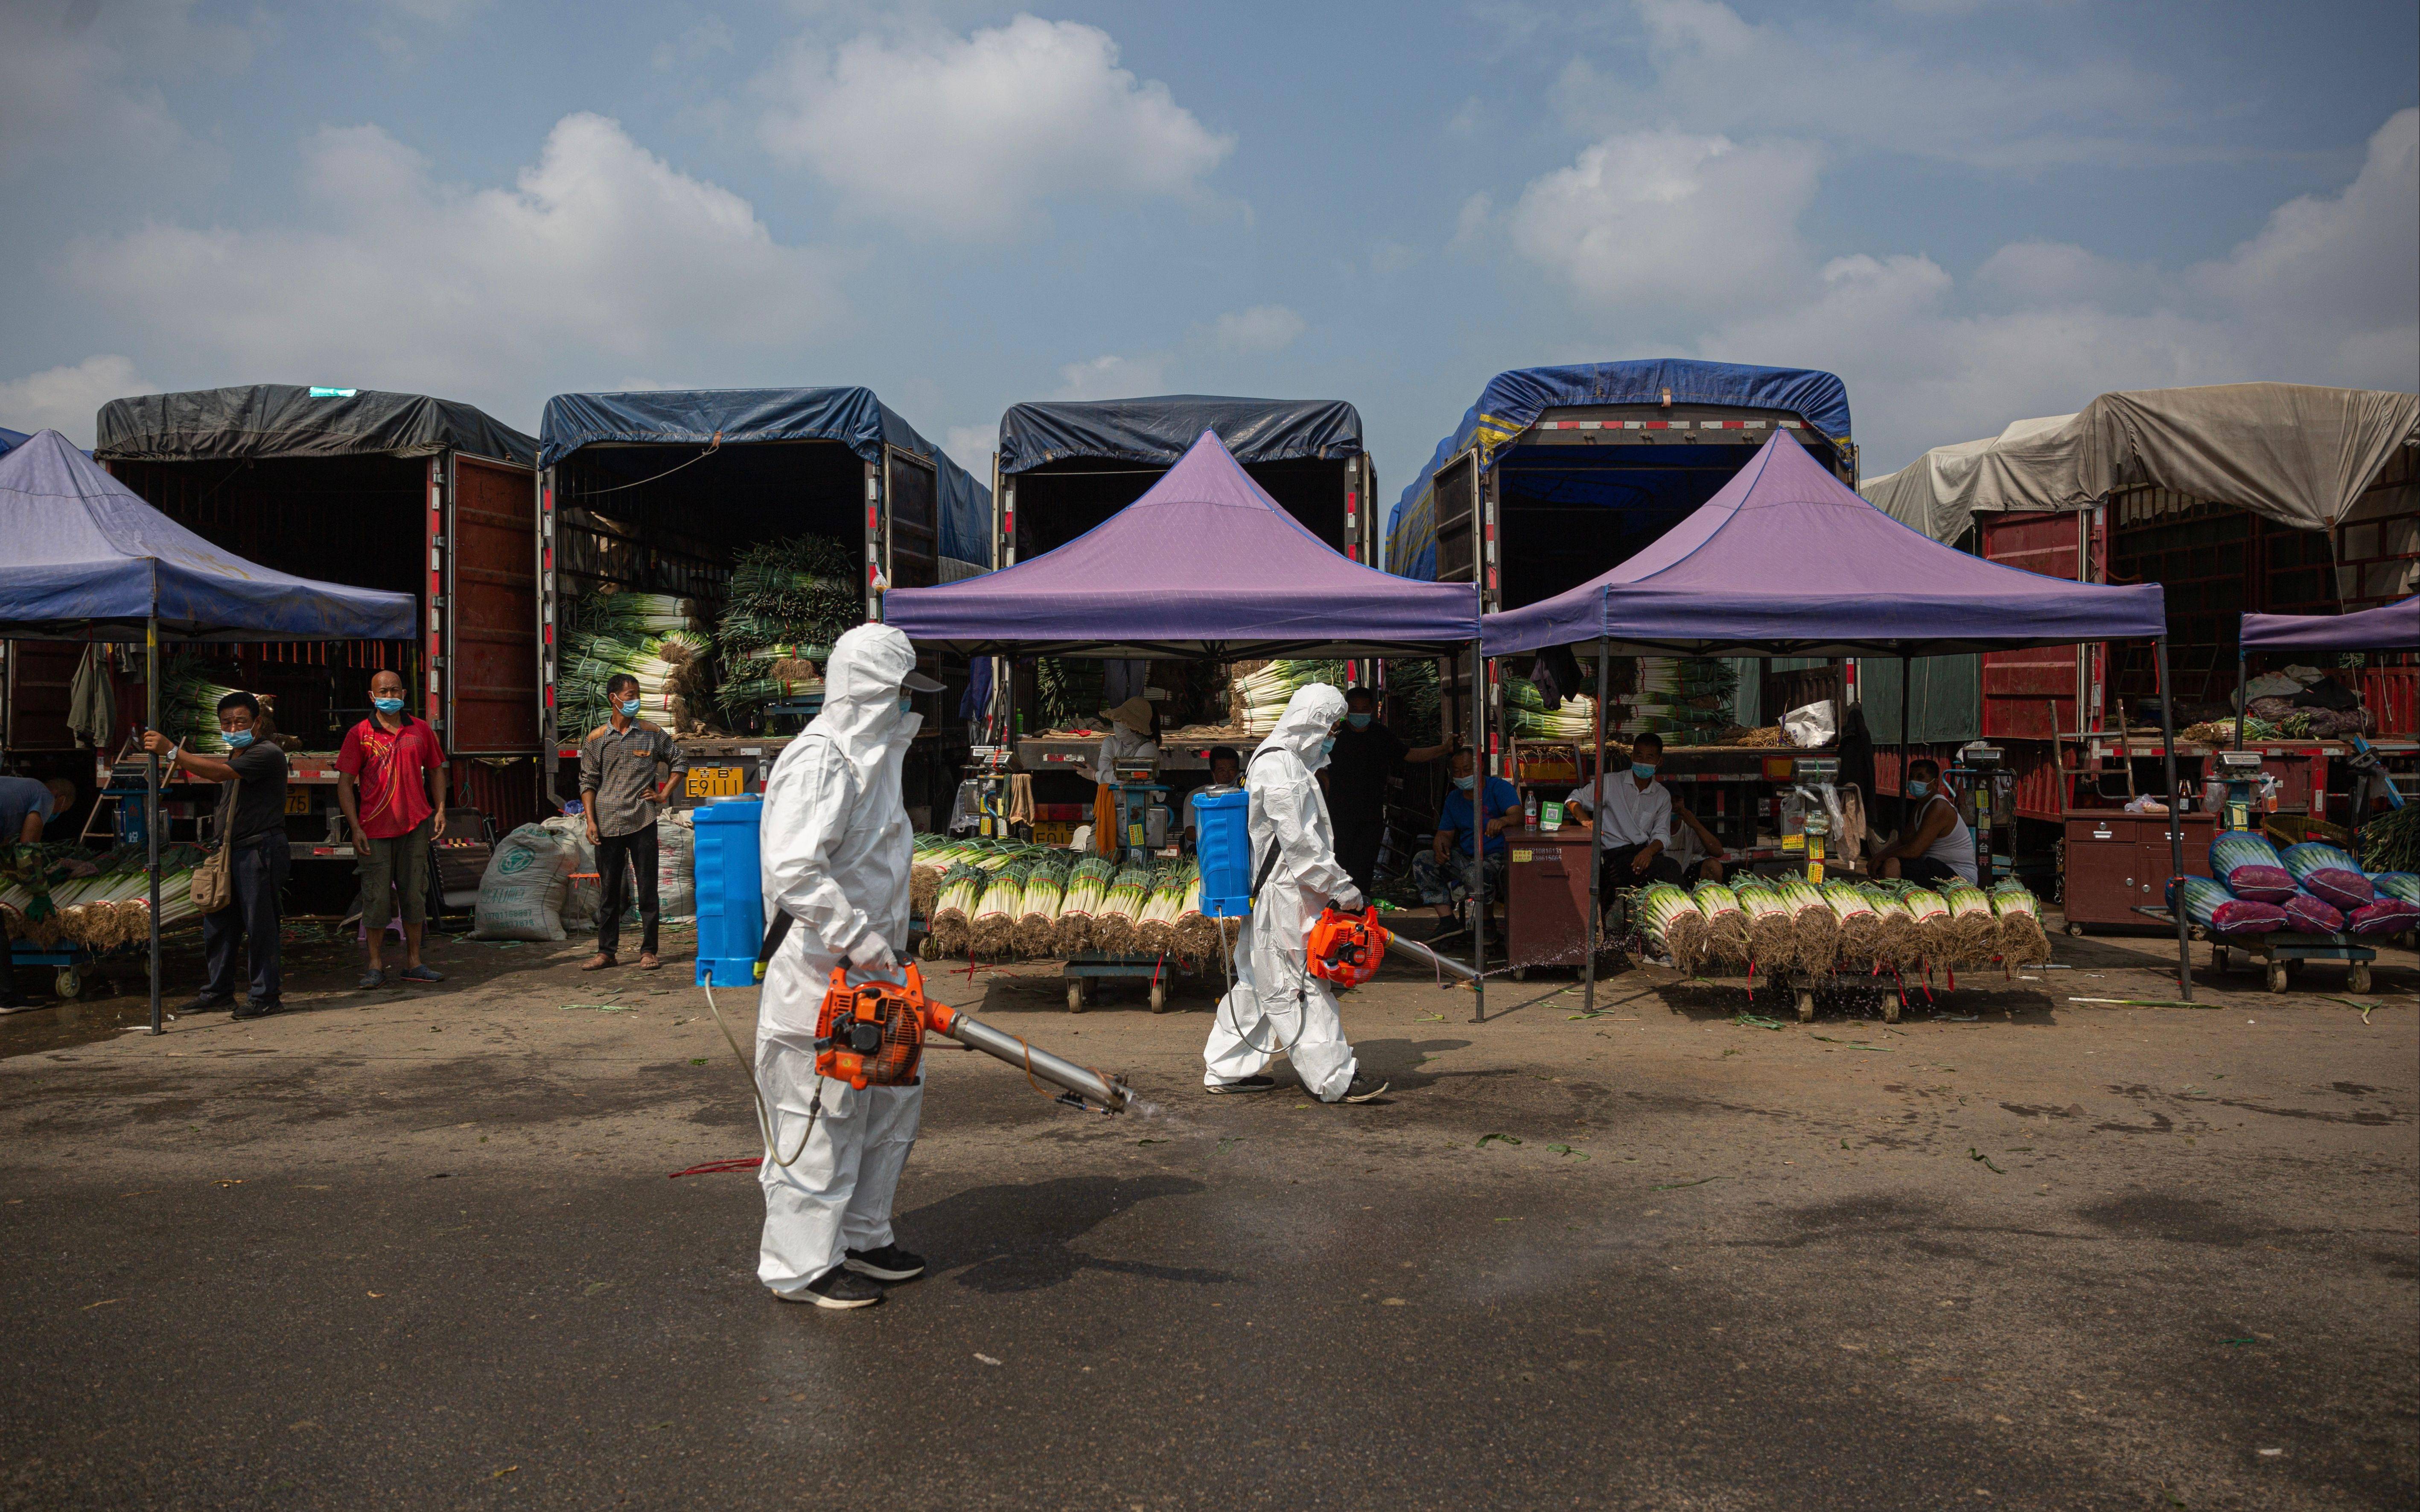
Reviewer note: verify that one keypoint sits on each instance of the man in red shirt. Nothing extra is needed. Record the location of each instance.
(390, 784)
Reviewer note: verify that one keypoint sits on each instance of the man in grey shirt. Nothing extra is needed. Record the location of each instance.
(619, 794)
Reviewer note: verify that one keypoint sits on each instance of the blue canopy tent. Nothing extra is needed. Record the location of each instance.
(11, 440)
(1787, 560)
(90, 560)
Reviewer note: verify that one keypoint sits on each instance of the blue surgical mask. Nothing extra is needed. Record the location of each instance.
(1328, 745)
(1463, 782)
(1641, 769)
(630, 708)
(1917, 787)
(387, 705)
(1359, 722)
(237, 739)
(906, 704)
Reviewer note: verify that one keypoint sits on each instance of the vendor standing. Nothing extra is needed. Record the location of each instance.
(1129, 740)
(620, 794)
(391, 784)
(1367, 756)
(1938, 844)
(1634, 824)
(252, 827)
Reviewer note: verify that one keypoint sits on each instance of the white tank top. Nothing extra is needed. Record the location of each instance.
(1956, 849)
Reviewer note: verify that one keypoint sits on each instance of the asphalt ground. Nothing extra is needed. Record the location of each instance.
(420, 1249)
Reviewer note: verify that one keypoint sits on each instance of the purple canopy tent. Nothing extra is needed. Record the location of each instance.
(2388, 628)
(91, 561)
(1787, 561)
(1205, 565)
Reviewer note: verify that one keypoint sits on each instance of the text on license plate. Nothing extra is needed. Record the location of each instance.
(298, 800)
(715, 781)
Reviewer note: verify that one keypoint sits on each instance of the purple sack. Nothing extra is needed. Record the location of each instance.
(2250, 868)
(2313, 915)
(2242, 916)
(2388, 916)
(2328, 872)
(2262, 884)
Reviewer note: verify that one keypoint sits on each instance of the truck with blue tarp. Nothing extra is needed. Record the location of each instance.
(663, 492)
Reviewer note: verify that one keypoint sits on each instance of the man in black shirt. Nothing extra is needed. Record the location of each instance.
(252, 825)
(1366, 757)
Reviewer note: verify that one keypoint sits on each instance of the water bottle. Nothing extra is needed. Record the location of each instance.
(1529, 812)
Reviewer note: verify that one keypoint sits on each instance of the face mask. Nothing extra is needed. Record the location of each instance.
(1641, 769)
(387, 705)
(1917, 787)
(237, 739)
(1463, 782)
(1328, 745)
(906, 706)
(1359, 722)
(630, 708)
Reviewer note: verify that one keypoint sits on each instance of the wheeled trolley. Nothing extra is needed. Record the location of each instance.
(2279, 954)
(68, 964)
(1082, 970)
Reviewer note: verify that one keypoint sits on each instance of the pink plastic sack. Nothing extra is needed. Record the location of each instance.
(2242, 917)
(2313, 915)
(2388, 916)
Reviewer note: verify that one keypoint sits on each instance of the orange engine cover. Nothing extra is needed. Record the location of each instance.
(1346, 948)
(872, 1034)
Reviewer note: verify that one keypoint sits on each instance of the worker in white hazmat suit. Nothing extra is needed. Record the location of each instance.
(836, 842)
(1277, 1007)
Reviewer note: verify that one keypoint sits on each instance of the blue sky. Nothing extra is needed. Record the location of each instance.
(1974, 210)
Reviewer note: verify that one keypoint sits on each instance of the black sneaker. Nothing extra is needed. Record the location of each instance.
(1361, 1089)
(257, 1008)
(1242, 1084)
(208, 1005)
(836, 1287)
(889, 1263)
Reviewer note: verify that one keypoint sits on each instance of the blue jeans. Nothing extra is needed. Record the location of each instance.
(1450, 885)
(256, 872)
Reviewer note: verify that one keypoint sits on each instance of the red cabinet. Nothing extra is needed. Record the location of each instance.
(2118, 862)
(1546, 896)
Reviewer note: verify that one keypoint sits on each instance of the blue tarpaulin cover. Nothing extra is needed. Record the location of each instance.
(1205, 564)
(1159, 430)
(852, 416)
(1787, 561)
(11, 440)
(2388, 628)
(1514, 401)
(281, 420)
(87, 560)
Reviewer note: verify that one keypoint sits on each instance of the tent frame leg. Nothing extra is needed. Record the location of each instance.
(1478, 840)
(2175, 814)
(151, 799)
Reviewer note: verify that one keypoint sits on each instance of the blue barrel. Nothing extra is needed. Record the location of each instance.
(730, 891)
(1225, 850)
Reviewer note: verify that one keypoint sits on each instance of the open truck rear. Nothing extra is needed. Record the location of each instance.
(661, 491)
(1558, 474)
(395, 491)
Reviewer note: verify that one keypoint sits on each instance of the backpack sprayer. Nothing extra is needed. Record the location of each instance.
(1346, 948)
(872, 1034)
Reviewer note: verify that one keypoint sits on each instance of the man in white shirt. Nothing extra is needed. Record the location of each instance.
(1635, 826)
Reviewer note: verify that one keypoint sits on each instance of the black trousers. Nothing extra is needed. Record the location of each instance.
(1358, 839)
(1617, 873)
(257, 871)
(637, 852)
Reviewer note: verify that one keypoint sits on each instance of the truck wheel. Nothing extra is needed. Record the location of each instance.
(2357, 977)
(2276, 976)
(1074, 994)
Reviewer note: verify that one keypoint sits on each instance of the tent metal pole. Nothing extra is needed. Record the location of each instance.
(1903, 745)
(2176, 818)
(151, 797)
(2242, 675)
(1479, 832)
(1596, 817)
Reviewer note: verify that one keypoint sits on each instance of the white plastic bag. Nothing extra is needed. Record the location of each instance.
(1810, 724)
(521, 894)
(675, 865)
(583, 889)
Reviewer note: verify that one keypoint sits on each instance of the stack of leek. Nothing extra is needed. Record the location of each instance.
(992, 931)
(1088, 888)
(1037, 923)
(1864, 941)
(1113, 923)
(1672, 919)
(961, 889)
(1155, 925)
(1772, 939)
(1263, 693)
(2021, 940)
(1973, 934)
(1902, 943)
(1197, 935)
(1814, 926)
(786, 602)
(1725, 922)
(1524, 710)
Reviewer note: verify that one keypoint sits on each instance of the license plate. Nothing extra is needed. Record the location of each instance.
(715, 781)
(298, 800)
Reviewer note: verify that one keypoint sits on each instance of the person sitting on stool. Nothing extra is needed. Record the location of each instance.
(1447, 883)
(1938, 844)
(1634, 828)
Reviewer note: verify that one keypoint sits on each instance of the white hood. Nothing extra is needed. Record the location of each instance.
(1310, 716)
(862, 713)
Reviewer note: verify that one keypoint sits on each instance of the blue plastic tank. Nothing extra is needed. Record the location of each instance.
(730, 891)
(1224, 848)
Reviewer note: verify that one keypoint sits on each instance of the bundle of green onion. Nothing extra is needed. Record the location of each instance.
(1155, 925)
(1524, 710)
(1037, 921)
(1088, 888)
(2021, 939)
(1199, 936)
(646, 636)
(1114, 921)
(1772, 939)
(786, 601)
(1259, 696)
(961, 890)
(1972, 934)
(1902, 943)
(189, 704)
(1726, 921)
(1672, 918)
(992, 931)
(43, 899)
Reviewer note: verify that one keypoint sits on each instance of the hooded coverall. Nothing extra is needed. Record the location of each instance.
(836, 850)
(1275, 1004)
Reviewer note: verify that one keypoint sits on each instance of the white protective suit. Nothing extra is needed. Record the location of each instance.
(1275, 1004)
(836, 845)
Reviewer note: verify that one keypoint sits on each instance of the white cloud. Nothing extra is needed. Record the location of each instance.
(599, 249)
(1719, 72)
(969, 136)
(1664, 220)
(2327, 292)
(1258, 331)
(1113, 378)
(971, 447)
(65, 399)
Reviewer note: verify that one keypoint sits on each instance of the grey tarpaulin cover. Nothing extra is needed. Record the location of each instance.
(2295, 454)
(1159, 430)
(267, 419)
